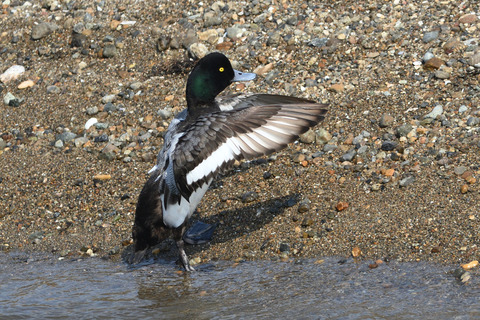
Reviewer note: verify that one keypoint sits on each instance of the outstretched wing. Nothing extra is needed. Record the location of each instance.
(214, 141)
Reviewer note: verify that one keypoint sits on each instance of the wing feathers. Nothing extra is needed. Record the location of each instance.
(214, 141)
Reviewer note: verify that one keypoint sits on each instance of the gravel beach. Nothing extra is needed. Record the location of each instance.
(88, 91)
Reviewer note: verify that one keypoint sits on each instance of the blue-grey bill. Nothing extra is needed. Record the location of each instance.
(243, 76)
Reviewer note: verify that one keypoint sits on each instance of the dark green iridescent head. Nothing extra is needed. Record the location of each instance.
(212, 74)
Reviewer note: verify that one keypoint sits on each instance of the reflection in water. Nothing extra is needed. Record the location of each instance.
(94, 288)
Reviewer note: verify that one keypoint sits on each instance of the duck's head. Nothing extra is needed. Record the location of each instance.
(211, 75)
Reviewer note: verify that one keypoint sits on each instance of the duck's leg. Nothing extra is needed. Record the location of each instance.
(178, 237)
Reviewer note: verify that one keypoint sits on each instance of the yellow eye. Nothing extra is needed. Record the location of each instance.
(221, 69)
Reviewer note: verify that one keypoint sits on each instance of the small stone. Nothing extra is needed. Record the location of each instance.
(109, 107)
(26, 84)
(318, 42)
(102, 177)
(211, 18)
(389, 145)
(234, 33)
(470, 265)
(249, 197)
(79, 142)
(66, 136)
(403, 130)
(165, 113)
(356, 252)
(322, 136)
(42, 30)
(349, 155)
(53, 89)
(329, 148)
(78, 28)
(92, 110)
(284, 247)
(9, 99)
(430, 36)
(438, 110)
(407, 181)
(460, 170)
(109, 51)
(463, 108)
(386, 120)
(307, 222)
(440, 74)
(197, 50)
(427, 56)
(274, 39)
(473, 121)
(78, 40)
(90, 123)
(136, 85)
(468, 18)
(12, 73)
(341, 205)
(108, 98)
(308, 137)
(303, 206)
(298, 157)
(433, 63)
(337, 87)
(59, 144)
(464, 189)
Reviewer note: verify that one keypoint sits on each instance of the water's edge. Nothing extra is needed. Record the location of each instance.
(47, 288)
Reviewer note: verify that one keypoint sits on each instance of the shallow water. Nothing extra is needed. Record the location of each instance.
(42, 287)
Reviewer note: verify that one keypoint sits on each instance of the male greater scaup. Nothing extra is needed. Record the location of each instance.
(204, 140)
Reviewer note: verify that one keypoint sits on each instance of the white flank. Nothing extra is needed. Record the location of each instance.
(177, 213)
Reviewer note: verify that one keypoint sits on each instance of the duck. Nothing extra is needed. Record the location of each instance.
(204, 140)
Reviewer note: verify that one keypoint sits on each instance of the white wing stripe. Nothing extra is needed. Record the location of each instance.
(210, 164)
(277, 132)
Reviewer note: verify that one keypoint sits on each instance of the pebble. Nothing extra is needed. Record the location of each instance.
(386, 120)
(53, 89)
(389, 145)
(59, 144)
(249, 197)
(12, 73)
(403, 130)
(9, 99)
(349, 155)
(42, 30)
(473, 121)
(430, 36)
(211, 18)
(460, 170)
(440, 74)
(463, 108)
(303, 206)
(433, 63)
(322, 136)
(234, 33)
(108, 98)
(407, 181)
(26, 84)
(427, 56)
(197, 50)
(109, 51)
(66, 136)
(92, 110)
(437, 111)
(308, 137)
(470, 265)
